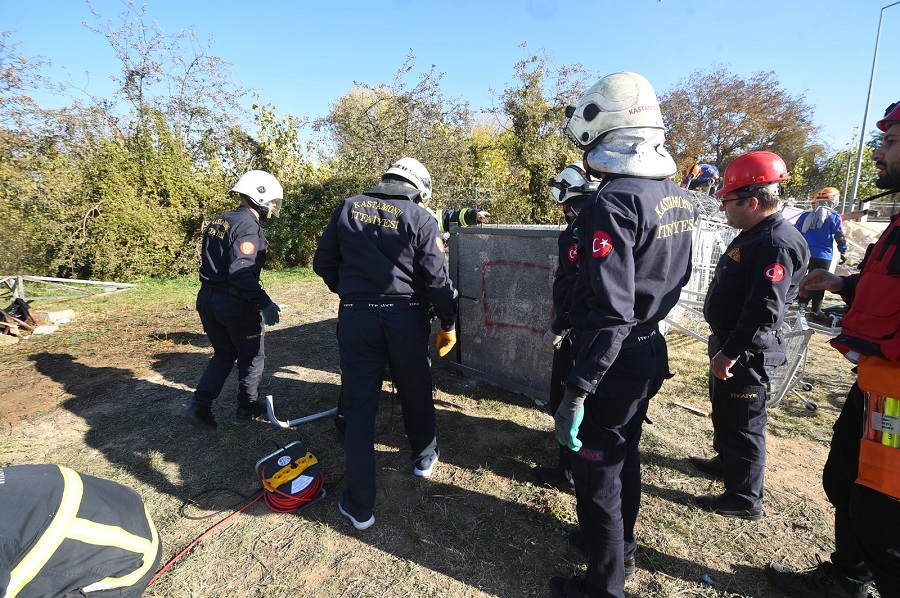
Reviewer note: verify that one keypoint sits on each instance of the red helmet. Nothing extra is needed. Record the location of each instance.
(892, 114)
(754, 168)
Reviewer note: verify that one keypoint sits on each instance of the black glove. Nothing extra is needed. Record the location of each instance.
(270, 314)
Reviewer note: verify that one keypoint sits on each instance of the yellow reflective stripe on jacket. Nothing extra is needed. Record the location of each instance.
(148, 549)
(66, 525)
(50, 540)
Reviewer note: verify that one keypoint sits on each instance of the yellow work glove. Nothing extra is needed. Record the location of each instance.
(445, 341)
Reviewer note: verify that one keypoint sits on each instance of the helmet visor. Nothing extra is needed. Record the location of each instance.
(274, 207)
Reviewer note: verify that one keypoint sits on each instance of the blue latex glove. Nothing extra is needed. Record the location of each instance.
(568, 419)
(270, 314)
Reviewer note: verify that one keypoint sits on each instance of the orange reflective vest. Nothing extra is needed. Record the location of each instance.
(879, 451)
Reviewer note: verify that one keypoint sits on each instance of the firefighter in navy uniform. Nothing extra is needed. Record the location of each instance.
(382, 253)
(634, 257)
(232, 303)
(862, 473)
(67, 535)
(754, 282)
(571, 188)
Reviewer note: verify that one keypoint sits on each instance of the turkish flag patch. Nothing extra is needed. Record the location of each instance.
(573, 253)
(774, 272)
(602, 245)
(247, 248)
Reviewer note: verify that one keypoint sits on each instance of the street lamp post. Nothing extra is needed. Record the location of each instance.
(847, 176)
(862, 137)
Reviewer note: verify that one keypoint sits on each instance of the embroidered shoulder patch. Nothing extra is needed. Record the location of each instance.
(602, 245)
(735, 254)
(774, 272)
(247, 248)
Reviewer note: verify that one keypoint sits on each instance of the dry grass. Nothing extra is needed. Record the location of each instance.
(103, 395)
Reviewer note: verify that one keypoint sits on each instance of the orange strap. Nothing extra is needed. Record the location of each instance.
(879, 452)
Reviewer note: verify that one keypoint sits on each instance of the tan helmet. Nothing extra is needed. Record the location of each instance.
(617, 101)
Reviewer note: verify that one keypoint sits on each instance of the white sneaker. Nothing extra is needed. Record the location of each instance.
(360, 525)
(424, 467)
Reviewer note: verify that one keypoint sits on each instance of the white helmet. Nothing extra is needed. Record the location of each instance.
(263, 191)
(617, 101)
(572, 182)
(413, 171)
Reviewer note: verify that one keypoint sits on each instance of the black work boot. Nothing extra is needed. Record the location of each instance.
(576, 541)
(823, 581)
(568, 587)
(553, 477)
(711, 466)
(201, 415)
(724, 505)
(250, 410)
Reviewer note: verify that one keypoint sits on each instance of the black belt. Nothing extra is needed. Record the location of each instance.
(397, 304)
(637, 337)
(225, 289)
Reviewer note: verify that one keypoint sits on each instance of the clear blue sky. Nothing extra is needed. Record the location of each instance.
(301, 55)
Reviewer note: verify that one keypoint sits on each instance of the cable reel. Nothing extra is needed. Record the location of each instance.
(291, 478)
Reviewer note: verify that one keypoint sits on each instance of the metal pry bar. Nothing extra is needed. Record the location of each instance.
(270, 408)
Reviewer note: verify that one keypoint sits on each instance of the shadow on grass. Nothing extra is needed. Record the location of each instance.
(481, 533)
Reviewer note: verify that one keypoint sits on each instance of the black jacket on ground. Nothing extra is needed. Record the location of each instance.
(68, 531)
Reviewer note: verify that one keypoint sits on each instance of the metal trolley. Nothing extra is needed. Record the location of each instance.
(787, 377)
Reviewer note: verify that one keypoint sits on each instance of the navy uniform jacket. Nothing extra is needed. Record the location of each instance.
(755, 279)
(634, 258)
(381, 246)
(233, 255)
(566, 271)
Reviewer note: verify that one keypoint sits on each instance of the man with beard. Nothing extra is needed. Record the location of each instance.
(862, 474)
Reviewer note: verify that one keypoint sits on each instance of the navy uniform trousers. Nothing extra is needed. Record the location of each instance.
(237, 334)
(607, 468)
(739, 418)
(369, 337)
